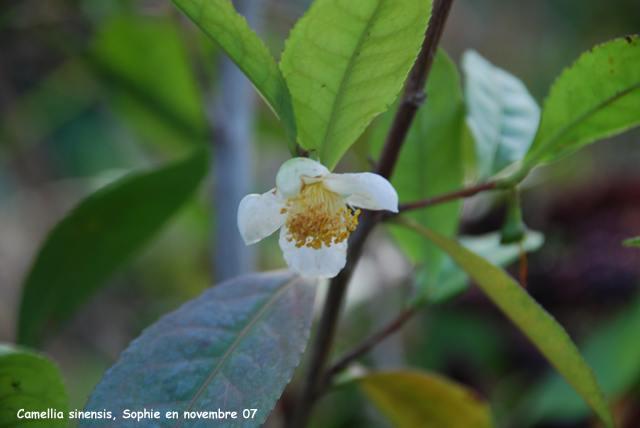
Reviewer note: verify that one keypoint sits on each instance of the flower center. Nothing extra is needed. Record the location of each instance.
(318, 216)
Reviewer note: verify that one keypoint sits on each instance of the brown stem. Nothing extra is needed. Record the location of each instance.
(369, 343)
(464, 193)
(328, 322)
(523, 266)
(412, 98)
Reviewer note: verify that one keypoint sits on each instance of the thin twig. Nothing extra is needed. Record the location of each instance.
(411, 100)
(396, 324)
(364, 347)
(464, 193)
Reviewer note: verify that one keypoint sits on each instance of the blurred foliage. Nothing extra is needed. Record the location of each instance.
(151, 85)
(530, 318)
(632, 242)
(93, 241)
(422, 399)
(230, 31)
(613, 353)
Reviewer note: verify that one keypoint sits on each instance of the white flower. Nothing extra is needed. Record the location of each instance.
(316, 211)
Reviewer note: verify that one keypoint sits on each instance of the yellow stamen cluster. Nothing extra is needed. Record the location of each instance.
(318, 216)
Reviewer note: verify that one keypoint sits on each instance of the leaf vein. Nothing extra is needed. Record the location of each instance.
(341, 90)
(583, 117)
(235, 344)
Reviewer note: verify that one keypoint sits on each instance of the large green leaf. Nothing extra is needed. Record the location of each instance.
(540, 327)
(412, 399)
(219, 20)
(345, 62)
(454, 281)
(501, 114)
(97, 237)
(30, 382)
(233, 348)
(144, 62)
(431, 163)
(613, 351)
(597, 97)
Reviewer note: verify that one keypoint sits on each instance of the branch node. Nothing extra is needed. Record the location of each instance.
(416, 100)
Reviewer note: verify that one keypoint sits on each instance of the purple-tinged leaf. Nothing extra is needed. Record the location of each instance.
(233, 348)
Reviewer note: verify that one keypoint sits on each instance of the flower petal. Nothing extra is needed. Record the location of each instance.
(259, 216)
(326, 262)
(295, 173)
(364, 190)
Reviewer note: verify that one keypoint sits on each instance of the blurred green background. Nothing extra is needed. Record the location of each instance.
(91, 89)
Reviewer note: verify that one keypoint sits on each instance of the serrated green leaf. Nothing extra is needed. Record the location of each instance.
(453, 281)
(412, 399)
(345, 62)
(540, 327)
(431, 163)
(97, 237)
(235, 347)
(501, 114)
(230, 31)
(597, 97)
(613, 351)
(30, 382)
(632, 242)
(144, 63)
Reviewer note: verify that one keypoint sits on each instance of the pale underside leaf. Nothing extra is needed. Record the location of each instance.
(502, 115)
(453, 280)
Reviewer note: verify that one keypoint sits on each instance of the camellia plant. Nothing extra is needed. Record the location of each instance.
(236, 347)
